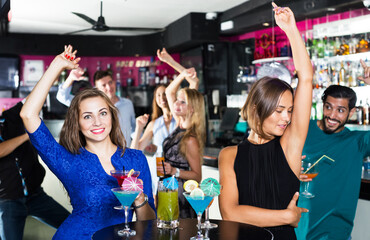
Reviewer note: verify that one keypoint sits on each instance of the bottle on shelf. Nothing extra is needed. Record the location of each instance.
(360, 113)
(337, 46)
(366, 113)
(342, 75)
(98, 67)
(118, 84)
(130, 78)
(109, 69)
(344, 48)
(86, 75)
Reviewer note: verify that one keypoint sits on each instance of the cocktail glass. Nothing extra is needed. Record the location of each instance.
(126, 198)
(199, 204)
(310, 170)
(120, 175)
(207, 224)
(168, 207)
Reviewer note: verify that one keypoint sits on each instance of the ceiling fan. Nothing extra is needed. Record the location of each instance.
(100, 25)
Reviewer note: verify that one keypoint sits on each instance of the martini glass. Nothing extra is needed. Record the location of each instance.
(126, 198)
(199, 204)
(207, 224)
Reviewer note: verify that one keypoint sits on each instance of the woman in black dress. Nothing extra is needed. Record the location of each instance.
(260, 176)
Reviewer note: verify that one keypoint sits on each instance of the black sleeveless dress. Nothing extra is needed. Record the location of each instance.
(172, 155)
(265, 180)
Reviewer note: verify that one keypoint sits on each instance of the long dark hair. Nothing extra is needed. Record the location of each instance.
(72, 138)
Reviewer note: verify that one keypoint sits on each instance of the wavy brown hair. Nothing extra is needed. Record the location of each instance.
(262, 101)
(157, 111)
(72, 138)
(194, 100)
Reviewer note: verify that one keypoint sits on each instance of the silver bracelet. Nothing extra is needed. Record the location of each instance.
(143, 203)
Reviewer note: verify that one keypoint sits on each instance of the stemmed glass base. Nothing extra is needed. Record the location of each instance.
(126, 232)
(207, 224)
(307, 194)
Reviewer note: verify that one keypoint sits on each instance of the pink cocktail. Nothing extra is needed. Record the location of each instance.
(120, 175)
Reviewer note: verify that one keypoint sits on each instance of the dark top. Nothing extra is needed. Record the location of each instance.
(172, 155)
(265, 180)
(10, 180)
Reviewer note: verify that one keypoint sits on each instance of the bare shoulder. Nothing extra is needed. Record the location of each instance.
(227, 155)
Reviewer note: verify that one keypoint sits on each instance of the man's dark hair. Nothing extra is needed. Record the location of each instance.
(337, 91)
(100, 74)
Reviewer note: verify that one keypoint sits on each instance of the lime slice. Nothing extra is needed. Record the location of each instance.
(190, 185)
(210, 187)
(197, 192)
(130, 173)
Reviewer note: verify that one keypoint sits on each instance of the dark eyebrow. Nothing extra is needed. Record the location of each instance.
(104, 108)
(338, 106)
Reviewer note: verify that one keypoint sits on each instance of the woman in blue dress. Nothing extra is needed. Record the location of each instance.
(91, 145)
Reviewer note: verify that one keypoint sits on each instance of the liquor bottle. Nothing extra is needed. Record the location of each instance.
(360, 113)
(342, 75)
(366, 113)
(320, 48)
(98, 67)
(319, 109)
(337, 46)
(86, 75)
(344, 48)
(109, 69)
(363, 45)
(118, 84)
(130, 79)
(313, 111)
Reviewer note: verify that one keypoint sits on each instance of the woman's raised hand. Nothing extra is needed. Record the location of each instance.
(284, 17)
(142, 120)
(68, 58)
(163, 55)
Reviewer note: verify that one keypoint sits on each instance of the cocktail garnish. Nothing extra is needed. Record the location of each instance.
(130, 173)
(171, 183)
(197, 192)
(210, 187)
(189, 185)
(132, 184)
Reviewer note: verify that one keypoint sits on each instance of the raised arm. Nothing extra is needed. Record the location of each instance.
(171, 90)
(140, 141)
(229, 199)
(294, 137)
(167, 58)
(64, 95)
(32, 106)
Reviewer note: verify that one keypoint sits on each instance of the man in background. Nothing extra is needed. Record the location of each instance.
(337, 185)
(103, 81)
(21, 175)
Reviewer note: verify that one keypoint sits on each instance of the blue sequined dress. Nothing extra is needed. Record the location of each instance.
(88, 185)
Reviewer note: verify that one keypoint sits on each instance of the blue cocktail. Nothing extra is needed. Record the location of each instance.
(199, 204)
(126, 198)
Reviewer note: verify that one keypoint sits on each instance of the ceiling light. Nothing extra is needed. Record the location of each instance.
(266, 24)
(227, 25)
(211, 16)
(330, 9)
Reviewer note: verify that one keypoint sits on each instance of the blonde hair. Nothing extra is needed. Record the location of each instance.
(72, 138)
(262, 101)
(194, 100)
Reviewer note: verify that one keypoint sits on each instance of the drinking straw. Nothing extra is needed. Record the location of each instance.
(318, 162)
(164, 171)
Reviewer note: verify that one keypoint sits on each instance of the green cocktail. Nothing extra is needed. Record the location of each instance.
(168, 207)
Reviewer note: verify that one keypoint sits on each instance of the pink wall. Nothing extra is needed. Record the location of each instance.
(91, 64)
(6, 103)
